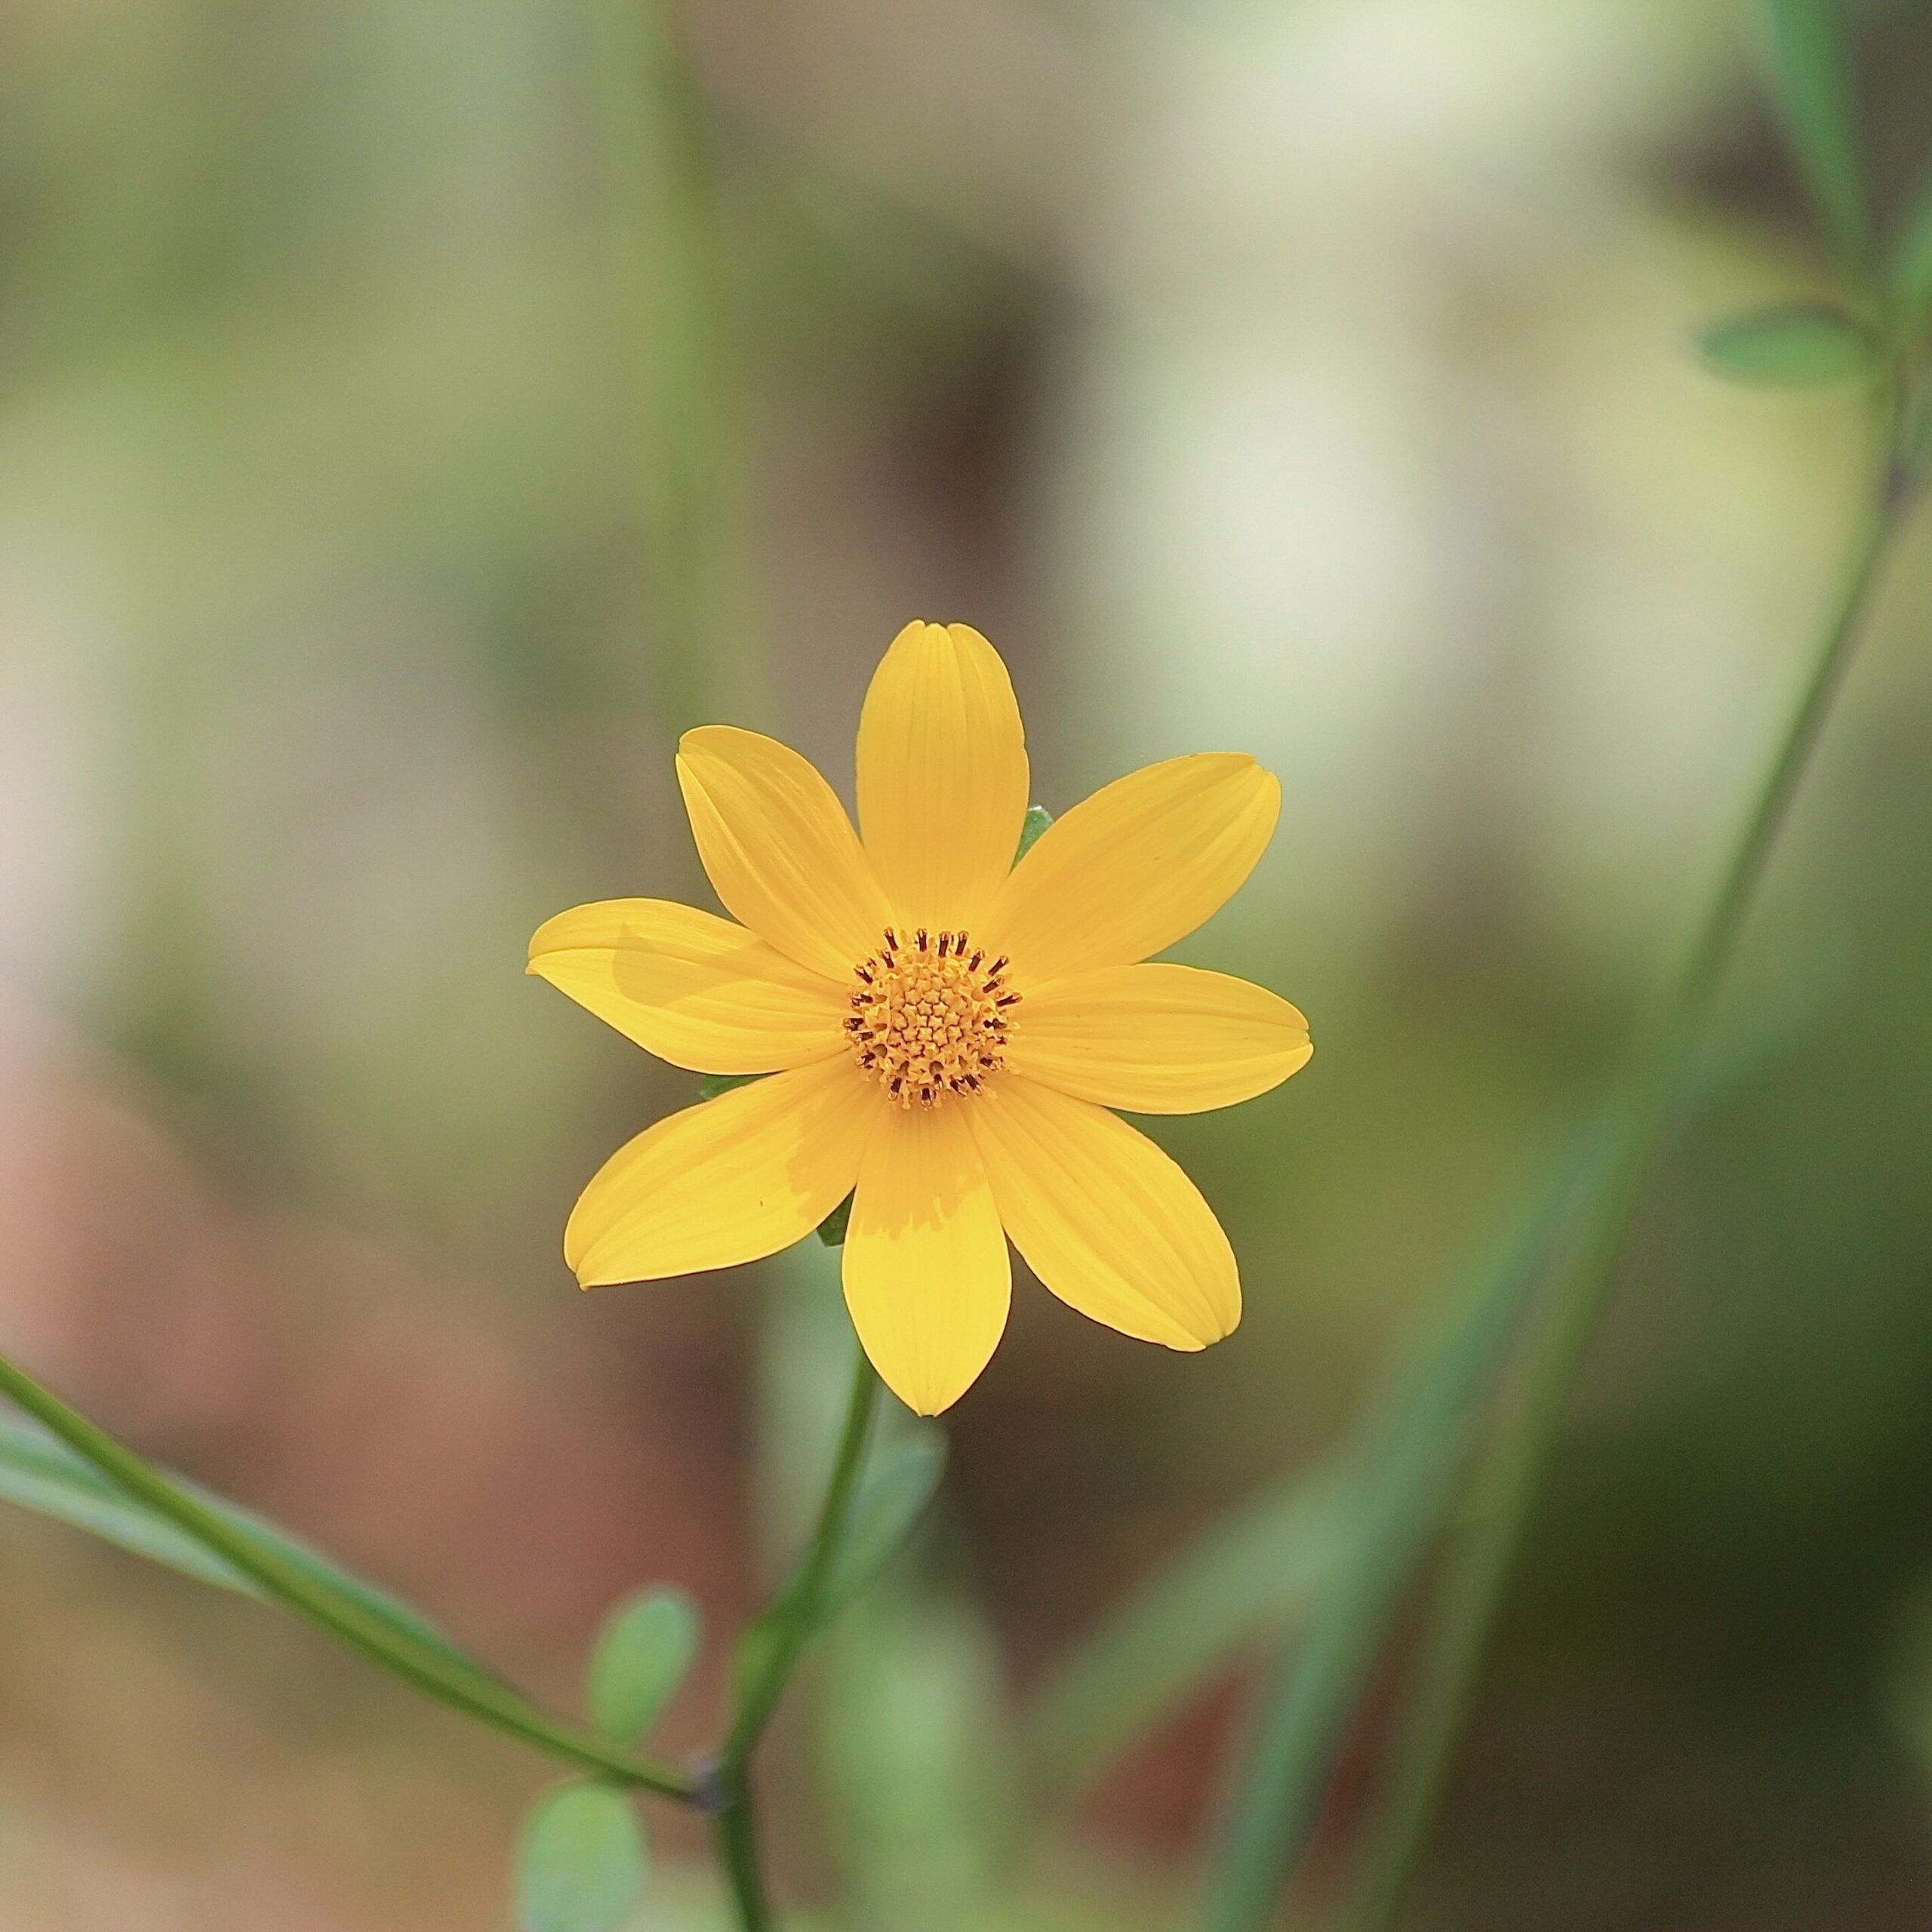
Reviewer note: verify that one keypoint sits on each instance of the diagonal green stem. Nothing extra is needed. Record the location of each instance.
(734, 1827)
(1505, 1490)
(774, 1643)
(428, 1668)
(770, 1650)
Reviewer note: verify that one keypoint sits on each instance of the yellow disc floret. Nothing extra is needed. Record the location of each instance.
(930, 1017)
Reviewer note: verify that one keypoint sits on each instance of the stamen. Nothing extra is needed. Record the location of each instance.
(926, 1022)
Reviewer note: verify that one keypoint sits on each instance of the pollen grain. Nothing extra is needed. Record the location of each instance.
(929, 1016)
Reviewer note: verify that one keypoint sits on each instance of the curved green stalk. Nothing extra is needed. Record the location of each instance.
(1505, 1490)
(769, 1651)
(425, 1665)
(734, 1829)
(773, 1645)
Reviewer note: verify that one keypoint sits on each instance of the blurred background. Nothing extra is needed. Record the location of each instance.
(1306, 377)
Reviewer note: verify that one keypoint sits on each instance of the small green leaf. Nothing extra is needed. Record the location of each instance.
(712, 1084)
(581, 1867)
(1799, 345)
(642, 1655)
(1036, 821)
(892, 1497)
(832, 1229)
(1810, 53)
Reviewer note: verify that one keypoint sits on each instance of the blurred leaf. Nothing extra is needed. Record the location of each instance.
(41, 1474)
(1403, 1473)
(923, 1788)
(1911, 260)
(832, 1229)
(1037, 819)
(280, 1568)
(893, 1496)
(1797, 346)
(712, 1084)
(581, 1867)
(1398, 1484)
(1810, 53)
(643, 1654)
(1247, 1577)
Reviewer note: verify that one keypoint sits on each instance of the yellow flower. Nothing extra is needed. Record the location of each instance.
(944, 1030)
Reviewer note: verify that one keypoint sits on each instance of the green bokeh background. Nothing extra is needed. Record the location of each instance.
(1309, 377)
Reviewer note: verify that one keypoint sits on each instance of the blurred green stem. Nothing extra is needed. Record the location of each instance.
(1504, 1493)
(666, 240)
(770, 1650)
(773, 1644)
(420, 1664)
(733, 1828)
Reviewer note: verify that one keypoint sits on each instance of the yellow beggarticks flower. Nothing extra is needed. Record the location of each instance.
(944, 1030)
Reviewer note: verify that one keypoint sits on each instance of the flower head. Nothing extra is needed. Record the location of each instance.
(945, 1031)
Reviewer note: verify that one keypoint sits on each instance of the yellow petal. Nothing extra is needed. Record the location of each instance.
(943, 779)
(927, 1275)
(1135, 866)
(1157, 1039)
(780, 850)
(727, 1180)
(1105, 1218)
(690, 987)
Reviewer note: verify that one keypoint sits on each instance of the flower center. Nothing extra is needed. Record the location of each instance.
(929, 1018)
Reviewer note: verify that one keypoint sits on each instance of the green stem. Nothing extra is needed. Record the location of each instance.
(734, 1829)
(770, 1652)
(776, 1641)
(1505, 1490)
(429, 1669)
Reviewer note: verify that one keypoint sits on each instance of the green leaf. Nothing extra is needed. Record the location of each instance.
(832, 1229)
(1810, 53)
(893, 1496)
(40, 1474)
(581, 1867)
(1798, 345)
(712, 1084)
(290, 1573)
(1036, 821)
(643, 1654)
(1399, 1482)
(1402, 1473)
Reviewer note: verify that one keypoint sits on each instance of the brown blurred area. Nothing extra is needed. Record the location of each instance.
(1311, 379)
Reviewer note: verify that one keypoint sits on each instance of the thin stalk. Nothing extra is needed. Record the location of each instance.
(1505, 1489)
(776, 1641)
(769, 1653)
(735, 1830)
(422, 1666)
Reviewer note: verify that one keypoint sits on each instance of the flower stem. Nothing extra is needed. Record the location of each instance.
(733, 1827)
(1505, 1491)
(769, 1651)
(773, 1645)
